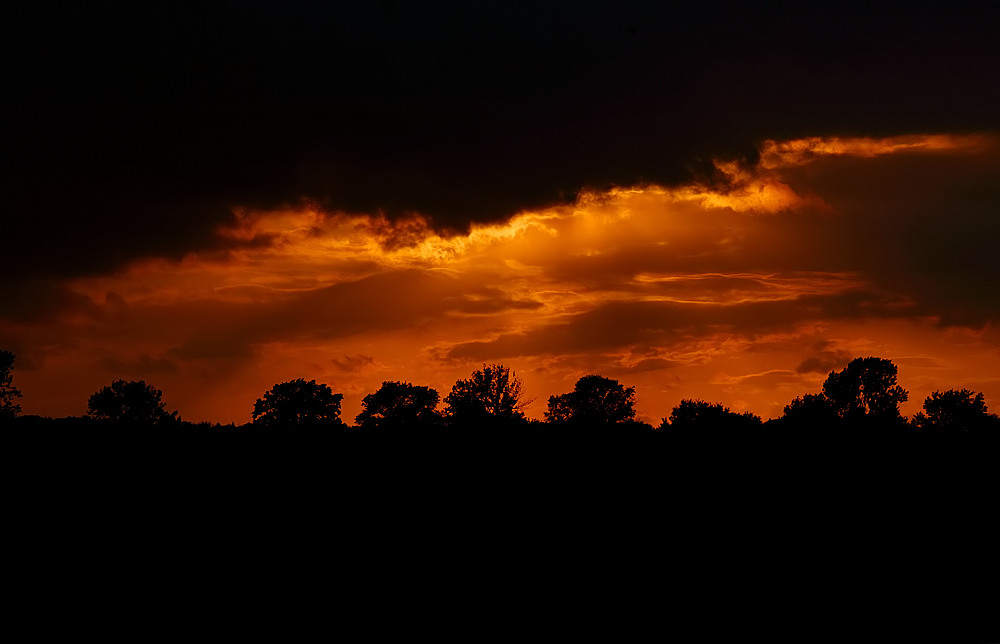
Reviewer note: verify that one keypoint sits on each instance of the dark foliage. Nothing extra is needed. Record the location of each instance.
(814, 409)
(595, 400)
(560, 408)
(8, 393)
(298, 403)
(130, 402)
(493, 395)
(956, 411)
(399, 406)
(808, 417)
(700, 419)
(866, 387)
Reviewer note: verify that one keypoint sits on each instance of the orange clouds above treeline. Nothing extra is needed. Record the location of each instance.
(745, 288)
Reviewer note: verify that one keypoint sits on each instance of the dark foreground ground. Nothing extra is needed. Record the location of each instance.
(542, 534)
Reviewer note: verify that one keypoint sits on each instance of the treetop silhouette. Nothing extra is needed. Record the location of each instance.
(298, 403)
(864, 396)
(8, 393)
(956, 411)
(493, 393)
(698, 416)
(814, 411)
(130, 402)
(865, 388)
(399, 405)
(594, 400)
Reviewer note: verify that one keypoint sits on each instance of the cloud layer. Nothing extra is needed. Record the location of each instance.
(128, 143)
(744, 289)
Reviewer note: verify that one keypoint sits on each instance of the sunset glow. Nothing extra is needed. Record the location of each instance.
(746, 292)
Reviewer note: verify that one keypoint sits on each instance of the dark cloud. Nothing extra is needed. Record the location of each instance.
(824, 359)
(139, 367)
(125, 142)
(232, 331)
(651, 364)
(214, 347)
(922, 225)
(621, 325)
(383, 302)
(36, 346)
(488, 301)
(923, 362)
(30, 301)
(353, 364)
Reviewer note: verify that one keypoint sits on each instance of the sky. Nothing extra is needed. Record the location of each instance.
(723, 202)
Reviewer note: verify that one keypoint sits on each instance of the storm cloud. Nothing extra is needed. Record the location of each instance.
(132, 133)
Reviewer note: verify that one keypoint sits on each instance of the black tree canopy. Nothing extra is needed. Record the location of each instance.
(298, 402)
(956, 411)
(8, 393)
(697, 417)
(595, 400)
(493, 394)
(131, 402)
(399, 405)
(865, 388)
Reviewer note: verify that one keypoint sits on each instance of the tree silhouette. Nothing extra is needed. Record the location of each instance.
(129, 402)
(560, 408)
(697, 417)
(594, 400)
(955, 411)
(298, 402)
(399, 405)
(813, 413)
(865, 388)
(493, 394)
(8, 393)
(811, 409)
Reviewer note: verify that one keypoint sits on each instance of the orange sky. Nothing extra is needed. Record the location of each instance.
(746, 290)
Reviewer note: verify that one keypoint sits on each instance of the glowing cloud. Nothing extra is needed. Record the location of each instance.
(783, 154)
(743, 292)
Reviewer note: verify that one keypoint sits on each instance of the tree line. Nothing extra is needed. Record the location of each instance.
(864, 395)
